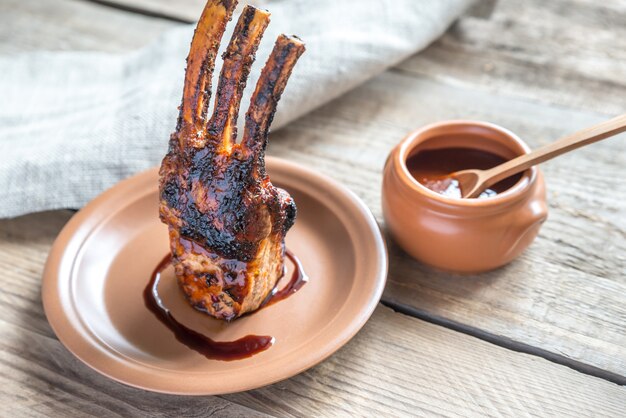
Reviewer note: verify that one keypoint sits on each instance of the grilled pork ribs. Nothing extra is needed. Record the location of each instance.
(227, 222)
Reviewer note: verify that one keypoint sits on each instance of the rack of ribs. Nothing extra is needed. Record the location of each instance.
(226, 221)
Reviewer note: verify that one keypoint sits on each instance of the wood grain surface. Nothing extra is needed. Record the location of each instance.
(567, 293)
(541, 70)
(564, 52)
(397, 365)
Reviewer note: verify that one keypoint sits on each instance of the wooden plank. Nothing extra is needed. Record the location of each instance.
(73, 25)
(400, 366)
(565, 52)
(396, 366)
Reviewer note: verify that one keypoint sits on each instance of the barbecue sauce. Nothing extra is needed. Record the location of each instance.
(211, 349)
(432, 168)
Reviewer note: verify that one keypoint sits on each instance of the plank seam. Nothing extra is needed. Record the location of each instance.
(140, 11)
(507, 343)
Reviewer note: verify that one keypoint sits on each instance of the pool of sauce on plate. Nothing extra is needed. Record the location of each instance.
(219, 350)
(432, 168)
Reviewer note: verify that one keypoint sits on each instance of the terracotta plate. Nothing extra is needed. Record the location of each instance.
(103, 258)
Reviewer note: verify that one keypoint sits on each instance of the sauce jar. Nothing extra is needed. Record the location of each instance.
(462, 235)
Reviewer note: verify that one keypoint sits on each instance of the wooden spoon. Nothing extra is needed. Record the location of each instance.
(473, 182)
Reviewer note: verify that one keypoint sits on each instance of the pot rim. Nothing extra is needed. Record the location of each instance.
(521, 189)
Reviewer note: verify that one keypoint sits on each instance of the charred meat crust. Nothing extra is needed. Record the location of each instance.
(226, 220)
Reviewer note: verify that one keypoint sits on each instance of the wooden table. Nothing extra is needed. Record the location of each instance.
(545, 335)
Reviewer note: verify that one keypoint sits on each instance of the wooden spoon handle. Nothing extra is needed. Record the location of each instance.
(571, 142)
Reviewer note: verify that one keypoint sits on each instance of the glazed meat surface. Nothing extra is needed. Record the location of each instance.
(227, 222)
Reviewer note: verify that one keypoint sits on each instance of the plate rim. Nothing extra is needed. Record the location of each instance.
(68, 244)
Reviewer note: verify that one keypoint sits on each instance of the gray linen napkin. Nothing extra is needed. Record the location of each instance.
(73, 124)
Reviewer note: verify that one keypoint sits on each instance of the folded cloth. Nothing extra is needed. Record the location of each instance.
(73, 124)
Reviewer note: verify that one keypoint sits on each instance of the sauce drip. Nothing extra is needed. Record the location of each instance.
(432, 168)
(211, 349)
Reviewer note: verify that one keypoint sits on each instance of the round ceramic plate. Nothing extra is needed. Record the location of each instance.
(102, 261)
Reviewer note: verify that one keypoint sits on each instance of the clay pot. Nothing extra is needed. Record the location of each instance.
(462, 235)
